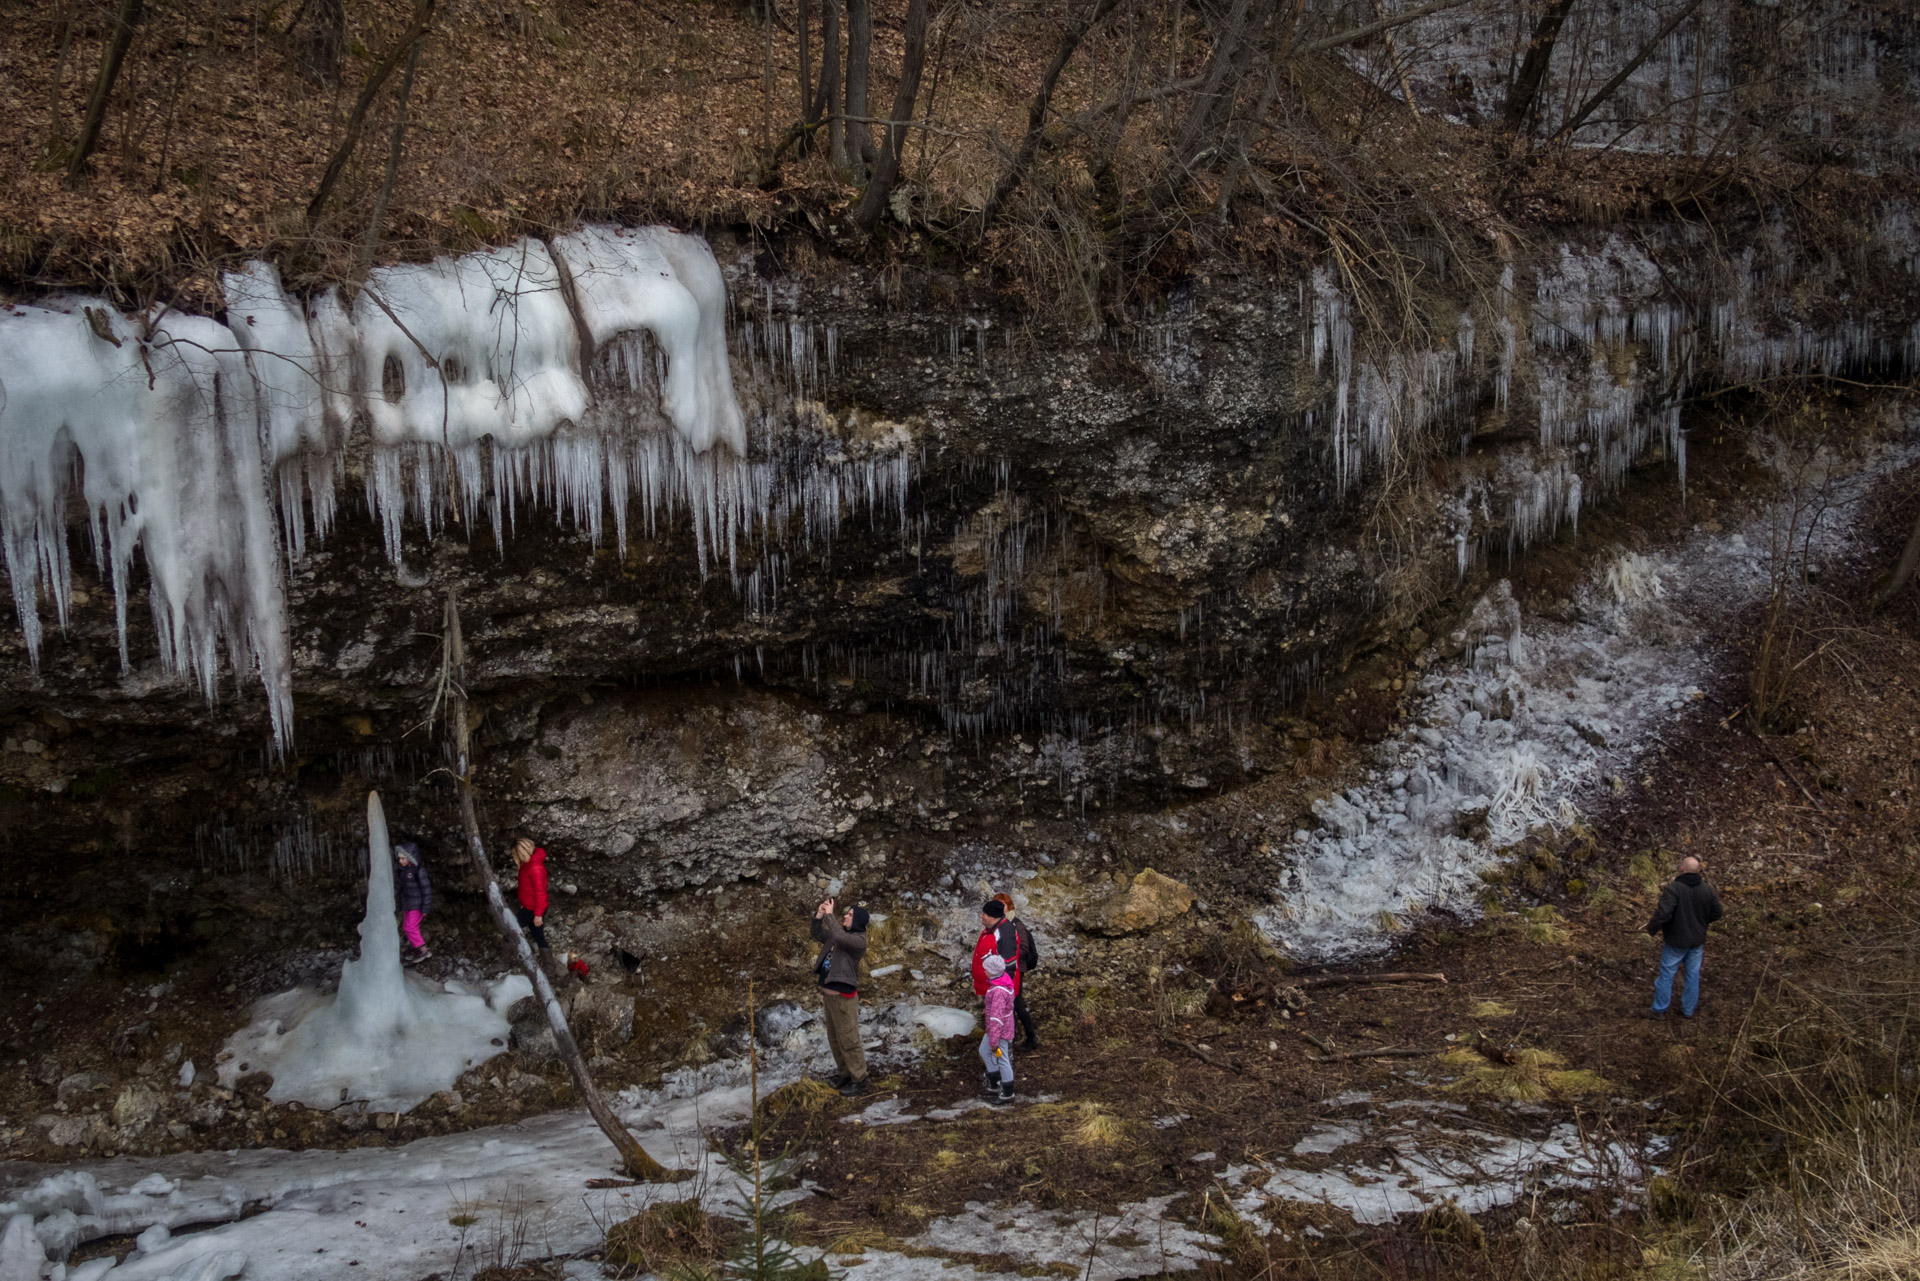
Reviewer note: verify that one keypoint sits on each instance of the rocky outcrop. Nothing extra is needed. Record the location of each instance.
(1146, 903)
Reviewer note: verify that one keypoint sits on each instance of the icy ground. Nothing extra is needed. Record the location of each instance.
(398, 1214)
(1412, 1155)
(1526, 724)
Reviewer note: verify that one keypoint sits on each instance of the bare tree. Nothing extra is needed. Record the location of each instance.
(1037, 114)
(635, 1158)
(357, 118)
(859, 58)
(1525, 90)
(893, 139)
(125, 18)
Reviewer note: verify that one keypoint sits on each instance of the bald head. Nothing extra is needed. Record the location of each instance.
(1689, 864)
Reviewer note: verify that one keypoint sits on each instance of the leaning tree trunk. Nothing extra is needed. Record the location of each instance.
(125, 19)
(634, 1157)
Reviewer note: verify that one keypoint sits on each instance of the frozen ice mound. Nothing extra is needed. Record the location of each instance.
(944, 1021)
(386, 1038)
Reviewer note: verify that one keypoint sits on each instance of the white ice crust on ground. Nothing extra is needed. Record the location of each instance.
(1413, 1156)
(312, 1213)
(386, 1038)
(176, 429)
(1520, 729)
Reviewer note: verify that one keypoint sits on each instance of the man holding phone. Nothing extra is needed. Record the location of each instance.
(842, 943)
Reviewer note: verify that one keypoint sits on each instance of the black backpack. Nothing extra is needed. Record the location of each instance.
(1029, 954)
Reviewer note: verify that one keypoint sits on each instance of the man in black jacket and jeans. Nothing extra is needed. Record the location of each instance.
(1687, 906)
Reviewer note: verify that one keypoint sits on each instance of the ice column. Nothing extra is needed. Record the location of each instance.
(387, 1036)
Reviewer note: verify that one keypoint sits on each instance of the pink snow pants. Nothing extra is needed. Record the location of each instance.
(410, 926)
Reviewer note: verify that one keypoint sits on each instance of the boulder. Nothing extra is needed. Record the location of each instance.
(601, 1014)
(76, 1084)
(1146, 903)
(136, 1108)
(529, 1035)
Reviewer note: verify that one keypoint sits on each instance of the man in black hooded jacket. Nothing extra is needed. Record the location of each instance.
(1687, 906)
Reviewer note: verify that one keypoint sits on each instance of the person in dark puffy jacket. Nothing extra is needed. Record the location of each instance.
(1026, 961)
(412, 895)
(1687, 907)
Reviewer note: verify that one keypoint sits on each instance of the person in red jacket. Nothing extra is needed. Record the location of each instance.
(532, 908)
(996, 937)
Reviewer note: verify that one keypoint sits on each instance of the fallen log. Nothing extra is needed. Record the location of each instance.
(1383, 1052)
(1350, 980)
(1206, 1056)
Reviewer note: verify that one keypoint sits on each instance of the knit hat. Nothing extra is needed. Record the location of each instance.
(995, 965)
(993, 908)
(859, 920)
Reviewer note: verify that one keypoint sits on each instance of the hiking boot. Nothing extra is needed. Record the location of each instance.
(1029, 1045)
(421, 953)
(990, 1082)
(839, 1080)
(854, 1089)
(1002, 1095)
(1658, 1016)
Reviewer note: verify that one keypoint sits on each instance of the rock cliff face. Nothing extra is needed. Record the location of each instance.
(1055, 565)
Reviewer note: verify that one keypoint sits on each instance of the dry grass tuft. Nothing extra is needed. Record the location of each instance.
(1825, 1079)
(808, 1095)
(667, 1234)
(1520, 1076)
(1493, 1010)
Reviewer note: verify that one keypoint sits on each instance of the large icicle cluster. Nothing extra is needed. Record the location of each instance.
(1598, 364)
(574, 374)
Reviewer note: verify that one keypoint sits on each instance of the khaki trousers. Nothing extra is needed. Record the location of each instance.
(843, 1034)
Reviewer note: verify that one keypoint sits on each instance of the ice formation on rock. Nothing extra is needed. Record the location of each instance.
(387, 1036)
(525, 374)
(1518, 727)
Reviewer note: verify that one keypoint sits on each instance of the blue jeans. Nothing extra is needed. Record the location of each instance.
(1670, 960)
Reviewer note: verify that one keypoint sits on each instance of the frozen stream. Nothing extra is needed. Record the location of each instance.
(1532, 719)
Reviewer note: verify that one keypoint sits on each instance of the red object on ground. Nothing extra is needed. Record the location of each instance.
(577, 966)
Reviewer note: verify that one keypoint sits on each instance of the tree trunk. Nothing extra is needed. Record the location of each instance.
(396, 147)
(859, 59)
(801, 22)
(1232, 50)
(1037, 113)
(1533, 69)
(886, 169)
(1612, 86)
(125, 19)
(1902, 572)
(56, 120)
(826, 99)
(357, 118)
(634, 1157)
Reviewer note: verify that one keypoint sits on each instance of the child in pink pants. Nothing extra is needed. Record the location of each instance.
(412, 894)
